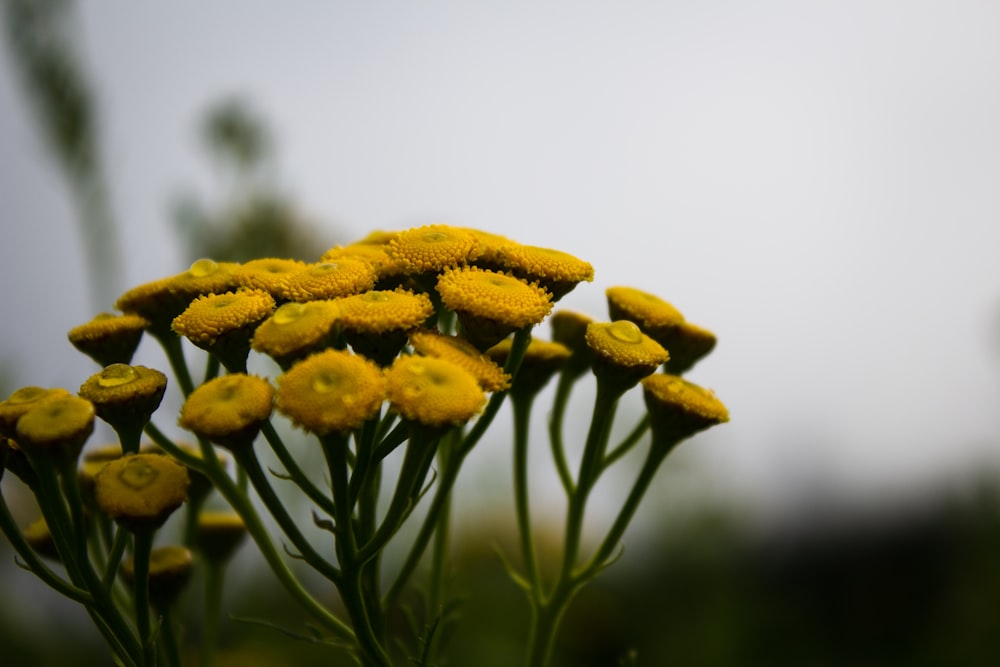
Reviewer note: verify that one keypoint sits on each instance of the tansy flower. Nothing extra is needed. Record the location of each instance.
(108, 338)
(228, 410)
(542, 359)
(490, 245)
(622, 353)
(266, 273)
(200, 485)
(19, 402)
(212, 316)
(688, 343)
(170, 569)
(678, 409)
(375, 323)
(296, 330)
(160, 301)
(333, 391)
(433, 248)
(125, 396)
(649, 311)
(140, 491)
(490, 304)
(375, 254)
(433, 392)
(57, 426)
(461, 352)
(570, 329)
(218, 534)
(329, 280)
(556, 271)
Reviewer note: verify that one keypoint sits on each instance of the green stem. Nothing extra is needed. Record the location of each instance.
(214, 580)
(529, 556)
(297, 475)
(628, 443)
(170, 643)
(171, 344)
(118, 547)
(561, 400)
(143, 547)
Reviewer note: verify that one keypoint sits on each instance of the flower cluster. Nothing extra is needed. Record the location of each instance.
(402, 345)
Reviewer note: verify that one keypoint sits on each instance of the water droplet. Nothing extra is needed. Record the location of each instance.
(324, 383)
(417, 368)
(116, 375)
(138, 475)
(203, 267)
(625, 331)
(223, 301)
(376, 296)
(325, 268)
(288, 313)
(434, 237)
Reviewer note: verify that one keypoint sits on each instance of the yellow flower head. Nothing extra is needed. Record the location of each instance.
(108, 338)
(296, 330)
(490, 246)
(557, 271)
(329, 280)
(212, 316)
(542, 360)
(380, 311)
(570, 329)
(200, 485)
(228, 410)
(160, 301)
(170, 569)
(219, 534)
(332, 391)
(461, 352)
(688, 343)
(375, 254)
(140, 491)
(57, 426)
(491, 304)
(20, 402)
(678, 409)
(267, 273)
(433, 392)
(650, 312)
(125, 396)
(433, 248)
(14, 459)
(622, 352)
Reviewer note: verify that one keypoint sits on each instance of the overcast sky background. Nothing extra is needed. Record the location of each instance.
(817, 182)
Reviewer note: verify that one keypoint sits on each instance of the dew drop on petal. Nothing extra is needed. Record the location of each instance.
(289, 313)
(116, 375)
(324, 383)
(138, 475)
(203, 267)
(625, 331)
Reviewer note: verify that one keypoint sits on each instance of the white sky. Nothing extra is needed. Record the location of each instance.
(817, 182)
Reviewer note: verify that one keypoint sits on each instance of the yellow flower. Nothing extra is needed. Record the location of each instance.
(332, 391)
(160, 301)
(490, 245)
(218, 534)
(108, 338)
(622, 352)
(228, 410)
(170, 570)
(140, 491)
(678, 409)
(570, 329)
(433, 248)
(212, 316)
(542, 360)
(557, 271)
(200, 485)
(266, 273)
(688, 343)
(329, 280)
(375, 254)
(433, 392)
(490, 304)
(57, 426)
(125, 396)
(461, 352)
(380, 311)
(649, 311)
(296, 330)
(19, 402)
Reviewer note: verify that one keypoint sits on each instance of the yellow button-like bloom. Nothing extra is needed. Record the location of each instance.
(492, 304)
(433, 248)
(679, 409)
(380, 311)
(490, 246)
(160, 301)
(375, 254)
(228, 410)
(109, 338)
(542, 360)
(647, 310)
(215, 315)
(218, 534)
(170, 569)
(333, 391)
(140, 491)
(125, 395)
(19, 402)
(267, 273)
(622, 352)
(433, 392)
(688, 343)
(329, 280)
(296, 330)
(557, 271)
(57, 426)
(461, 352)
